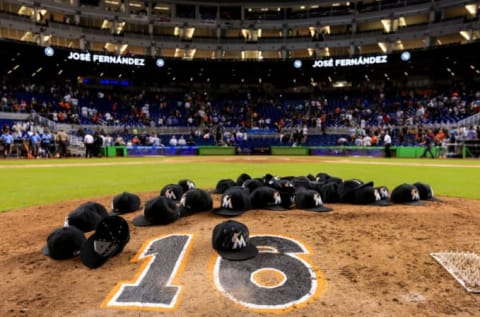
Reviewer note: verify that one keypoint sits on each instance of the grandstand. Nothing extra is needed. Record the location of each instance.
(252, 75)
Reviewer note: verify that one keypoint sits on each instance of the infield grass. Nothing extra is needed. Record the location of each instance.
(38, 182)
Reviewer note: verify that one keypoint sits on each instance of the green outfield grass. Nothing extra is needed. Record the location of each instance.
(38, 182)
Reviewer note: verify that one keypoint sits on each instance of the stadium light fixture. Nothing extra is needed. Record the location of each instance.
(472, 9)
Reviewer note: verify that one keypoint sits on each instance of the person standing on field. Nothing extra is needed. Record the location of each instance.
(387, 142)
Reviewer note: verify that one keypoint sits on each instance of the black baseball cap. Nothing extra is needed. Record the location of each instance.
(266, 197)
(252, 184)
(367, 194)
(124, 203)
(242, 178)
(310, 200)
(234, 202)
(186, 184)
(329, 192)
(232, 242)
(406, 194)
(322, 176)
(64, 243)
(268, 179)
(301, 182)
(172, 191)
(195, 200)
(223, 185)
(425, 191)
(86, 216)
(347, 188)
(157, 211)
(283, 185)
(111, 236)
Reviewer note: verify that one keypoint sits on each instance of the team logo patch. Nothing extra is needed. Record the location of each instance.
(317, 199)
(415, 194)
(169, 193)
(227, 202)
(277, 198)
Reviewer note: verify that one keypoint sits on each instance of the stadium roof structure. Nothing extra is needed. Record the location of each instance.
(300, 44)
(241, 30)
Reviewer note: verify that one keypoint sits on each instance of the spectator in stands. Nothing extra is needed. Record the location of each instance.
(19, 143)
(119, 141)
(7, 141)
(5, 106)
(173, 141)
(135, 140)
(191, 141)
(471, 133)
(342, 141)
(107, 140)
(305, 134)
(367, 140)
(47, 144)
(182, 141)
(154, 140)
(35, 141)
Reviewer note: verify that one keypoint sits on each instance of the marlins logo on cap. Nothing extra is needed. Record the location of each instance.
(310, 200)
(266, 197)
(369, 195)
(231, 240)
(235, 201)
(406, 194)
(186, 184)
(195, 200)
(425, 191)
(172, 191)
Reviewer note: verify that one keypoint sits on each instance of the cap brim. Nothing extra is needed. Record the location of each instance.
(141, 221)
(275, 208)
(250, 251)
(118, 213)
(435, 199)
(46, 251)
(114, 213)
(381, 203)
(318, 209)
(411, 203)
(89, 257)
(227, 212)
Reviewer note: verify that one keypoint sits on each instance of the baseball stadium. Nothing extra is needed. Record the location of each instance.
(240, 158)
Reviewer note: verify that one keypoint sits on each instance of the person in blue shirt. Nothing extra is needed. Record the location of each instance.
(35, 141)
(7, 141)
(47, 143)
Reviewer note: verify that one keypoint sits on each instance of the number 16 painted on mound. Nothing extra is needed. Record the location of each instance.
(294, 283)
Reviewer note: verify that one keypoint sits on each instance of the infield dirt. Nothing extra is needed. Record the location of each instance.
(369, 261)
